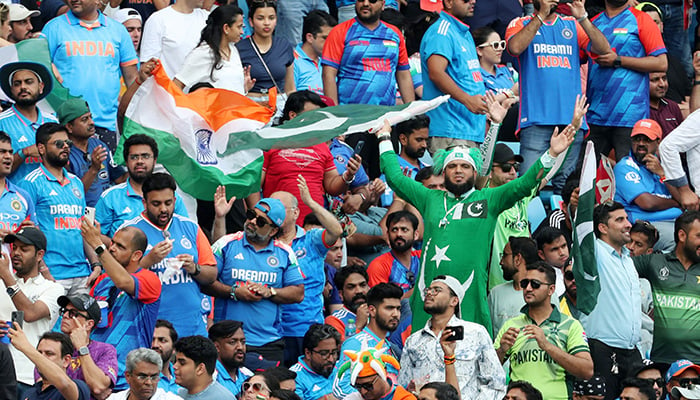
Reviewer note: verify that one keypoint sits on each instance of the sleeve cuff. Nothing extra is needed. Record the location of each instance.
(385, 146)
(678, 182)
(547, 160)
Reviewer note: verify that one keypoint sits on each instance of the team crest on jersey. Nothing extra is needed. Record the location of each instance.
(301, 253)
(632, 177)
(272, 261)
(204, 154)
(103, 173)
(206, 304)
(16, 205)
(567, 33)
(663, 273)
(340, 159)
(186, 243)
(77, 193)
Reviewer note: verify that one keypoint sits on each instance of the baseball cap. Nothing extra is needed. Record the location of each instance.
(8, 70)
(590, 387)
(678, 367)
(691, 393)
(256, 362)
(126, 14)
(18, 12)
(82, 302)
(453, 284)
(503, 153)
(275, 210)
(28, 235)
(71, 109)
(648, 128)
(648, 364)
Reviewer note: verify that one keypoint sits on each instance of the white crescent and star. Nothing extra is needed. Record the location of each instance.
(479, 208)
(440, 255)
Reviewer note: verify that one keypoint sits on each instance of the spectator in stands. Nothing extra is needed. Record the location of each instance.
(664, 111)
(57, 194)
(17, 208)
(270, 58)
(428, 179)
(370, 375)
(682, 374)
(521, 390)
(384, 306)
(567, 301)
(461, 121)
(131, 19)
(639, 186)
(506, 299)
(438, 391)
(653, 373)
(165, 38)
(26, 83)
(124, 201)
(195, 362)
(481, 376)
(8, 379)
(553, 248)
(179, 253)
(215, 60)
(528, 37)
(292, 14)
(93, 362)
(143, 373)
(20, 21)
(513, 221)
(164, 337)
(285, 377)
(562, 217)
(316, 368)
(692, 392)
(351, 282)
(52, 357)
(366, 74)
(400, 265)
(643, 237)
(589, 389)
(540, 320)
(132, 293)
(307, 53)
(229, 339)
(614, 75)
(260, 386)
(257, 274)
(636, 389)
(28, 291)
(145, 10)
(90, 159)
(94, 75)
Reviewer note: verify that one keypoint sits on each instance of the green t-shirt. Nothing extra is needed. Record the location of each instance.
(530, 363)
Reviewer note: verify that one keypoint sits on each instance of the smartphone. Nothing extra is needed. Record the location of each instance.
(457, 333)
(565, 1)
(18, 317)
(359, 146)
(90, 214)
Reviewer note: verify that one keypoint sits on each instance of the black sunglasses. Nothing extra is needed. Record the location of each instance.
(507, 166)
(534, 282)
(658, 381)
(686, 382)
(569, 275)
(367, 386)
(72, 313)
(60, 143)
(250, 215)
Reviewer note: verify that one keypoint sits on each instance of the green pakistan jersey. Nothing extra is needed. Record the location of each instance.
(531, 364)
(676, 294)
(458, 232)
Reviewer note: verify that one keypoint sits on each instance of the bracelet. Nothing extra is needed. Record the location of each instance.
(95, 265)
(450, 360)
(348, 181)
(583, 17)
(137, 81)
(540, 18)
(509, 93)
(384, 136)
(232, 295)
(364, 198)
(20, 153)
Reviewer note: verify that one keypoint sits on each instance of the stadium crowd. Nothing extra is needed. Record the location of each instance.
(447, 257)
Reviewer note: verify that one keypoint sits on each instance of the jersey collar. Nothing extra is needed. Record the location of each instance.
(74, 20)
(129, 189)
(459, 24)
(52, 178)
(27, 122)
(555, 316)
(148, 221)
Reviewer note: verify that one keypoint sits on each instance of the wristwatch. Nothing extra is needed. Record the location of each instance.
(100, 249)
(12, 290)
(273, 292)
(83, 351)
(197, 270)
(618, 62)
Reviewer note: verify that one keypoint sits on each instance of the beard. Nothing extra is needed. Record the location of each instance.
(368, 20)
(55, 160)
(435, 308)
(459, 189)
(405, 246)
(139, 177)
(508, 273)
(414, 153)
(27, 102)
(231, 364)
(354, 304)
(254, 237)
(387, 325)
(691, 253)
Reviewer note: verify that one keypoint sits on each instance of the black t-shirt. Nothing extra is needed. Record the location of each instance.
(51, 393)
(8, 379)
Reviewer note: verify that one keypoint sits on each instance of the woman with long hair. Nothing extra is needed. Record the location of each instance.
(5, 27)
(216, 60)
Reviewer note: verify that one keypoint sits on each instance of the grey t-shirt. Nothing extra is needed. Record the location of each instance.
(215, 391)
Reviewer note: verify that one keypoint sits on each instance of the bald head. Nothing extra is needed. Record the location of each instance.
(139, 241)
(292, 207)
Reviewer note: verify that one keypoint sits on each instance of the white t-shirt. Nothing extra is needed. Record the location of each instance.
(170, 35)
(198, 64)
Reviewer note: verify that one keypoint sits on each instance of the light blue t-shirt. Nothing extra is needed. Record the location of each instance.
(224, 378)
(310, 385)
(15, 207)
(307, 72)
(23, 134)
(215, 391)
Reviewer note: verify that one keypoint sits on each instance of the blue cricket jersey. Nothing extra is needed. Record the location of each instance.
(15, 207)
(310, 385)
(23, 134)
(307, 72)
(79, 163)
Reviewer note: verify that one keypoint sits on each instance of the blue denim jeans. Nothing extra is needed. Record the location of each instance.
(290, 17)
(534, 141)
(675, 37)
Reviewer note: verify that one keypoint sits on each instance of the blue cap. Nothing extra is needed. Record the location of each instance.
(678, 367)
(275, 210)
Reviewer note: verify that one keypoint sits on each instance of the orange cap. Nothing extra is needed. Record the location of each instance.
(648, 128)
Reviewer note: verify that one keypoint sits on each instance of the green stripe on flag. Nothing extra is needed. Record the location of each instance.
(195, 179)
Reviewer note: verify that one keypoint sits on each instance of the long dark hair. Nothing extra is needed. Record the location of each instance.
(211, 34)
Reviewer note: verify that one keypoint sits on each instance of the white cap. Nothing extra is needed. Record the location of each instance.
(126, 14)
(18, 12)
(455, 285)
(689, 393)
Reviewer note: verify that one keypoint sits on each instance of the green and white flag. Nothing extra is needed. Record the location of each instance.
(585, 267)
(216, 137)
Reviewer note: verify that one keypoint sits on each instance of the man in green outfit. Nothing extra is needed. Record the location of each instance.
(459, 222)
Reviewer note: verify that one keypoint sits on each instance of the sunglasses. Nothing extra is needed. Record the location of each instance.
(367, 386)
(658, 381)
(498, 45)
(687, 382)
(507, 166)
(72, 313)
(371, 1)
(250, 215)
(536, 284)
(256, 386)
(61, 143)
(569, 275)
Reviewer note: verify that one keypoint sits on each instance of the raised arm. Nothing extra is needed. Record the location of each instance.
(327, 220)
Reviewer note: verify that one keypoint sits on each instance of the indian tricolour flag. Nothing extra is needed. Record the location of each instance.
(35, 50)
(216, 137)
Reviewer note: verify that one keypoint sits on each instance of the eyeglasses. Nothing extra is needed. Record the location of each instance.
(142, 378)
(256, 386)
(367, 386)
(658, 381)
(371, 1)
(72, 313)
(326, 353)
(142, 156)
(534, 282)
(569, 275)
(688, 382)
(62, 143)
(498, 45)
(250, 215)
(507, 166)
(432, 291)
